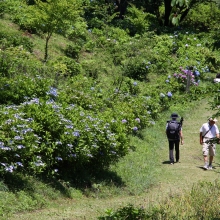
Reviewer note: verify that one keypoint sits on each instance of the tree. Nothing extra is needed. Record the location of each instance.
(174, 10)
(54, 16)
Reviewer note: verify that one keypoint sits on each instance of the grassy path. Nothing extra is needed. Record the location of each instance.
(172, 179)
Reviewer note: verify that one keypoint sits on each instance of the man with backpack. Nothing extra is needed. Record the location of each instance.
(208, 131)
(174, 135)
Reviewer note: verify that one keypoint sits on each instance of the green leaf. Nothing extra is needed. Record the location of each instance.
(181, 2)
(173, 2)
(175, 21)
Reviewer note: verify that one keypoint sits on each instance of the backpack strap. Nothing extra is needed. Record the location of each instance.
(207, 132)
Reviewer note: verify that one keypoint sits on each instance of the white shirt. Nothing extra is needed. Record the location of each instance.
(211, 132)
(216, 80)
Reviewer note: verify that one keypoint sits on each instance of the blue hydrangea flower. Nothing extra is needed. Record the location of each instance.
(9, 169)
(59, 158)
(52, 92)
(18, 138)
(76, 134)
(197, 73)
(20, 146)
(169, 94)
(19, 164)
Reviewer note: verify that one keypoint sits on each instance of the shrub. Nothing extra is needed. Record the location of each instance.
(72, 51)
(16, 60)
(20, 88)
(137, 21)
(46, 136)
(203, 17)
(136, 69)
(127, 212)
(15, 40)
(78, 34)
(65, 66)
(18, 12)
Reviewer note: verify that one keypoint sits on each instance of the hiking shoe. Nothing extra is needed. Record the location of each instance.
(210, 167)
(171, 163)
(206, 167)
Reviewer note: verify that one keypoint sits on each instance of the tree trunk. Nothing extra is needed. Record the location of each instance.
(168, 9)
(156, 10)
(121, 7)
(46, 47)
(184, 14)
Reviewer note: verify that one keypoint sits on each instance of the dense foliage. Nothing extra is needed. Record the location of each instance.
(113, 74)
(65, 114)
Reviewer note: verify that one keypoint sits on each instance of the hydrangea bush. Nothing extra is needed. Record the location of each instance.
(66, 128)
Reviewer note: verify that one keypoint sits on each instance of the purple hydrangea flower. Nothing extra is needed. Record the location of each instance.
(138, 120)
(76, 134)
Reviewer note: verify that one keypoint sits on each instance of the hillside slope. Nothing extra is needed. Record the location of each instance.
(172, 179)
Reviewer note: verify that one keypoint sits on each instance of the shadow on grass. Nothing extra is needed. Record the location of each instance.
(82, 180)
(166, 162)
(213, 168)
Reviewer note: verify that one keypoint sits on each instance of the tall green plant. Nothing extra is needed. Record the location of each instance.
(54, 16)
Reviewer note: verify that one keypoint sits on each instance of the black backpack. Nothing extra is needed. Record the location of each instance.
(173, 129)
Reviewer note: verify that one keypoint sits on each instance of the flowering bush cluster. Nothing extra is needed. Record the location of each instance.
(187, 77)
(65, 128)
(39, 135)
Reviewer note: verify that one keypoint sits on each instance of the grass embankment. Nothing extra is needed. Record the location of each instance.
(148, 177)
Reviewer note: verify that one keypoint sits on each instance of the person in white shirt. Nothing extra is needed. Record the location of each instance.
(207, 131)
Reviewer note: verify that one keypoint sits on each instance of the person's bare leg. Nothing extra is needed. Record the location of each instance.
(206, 159)
(206, 162)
